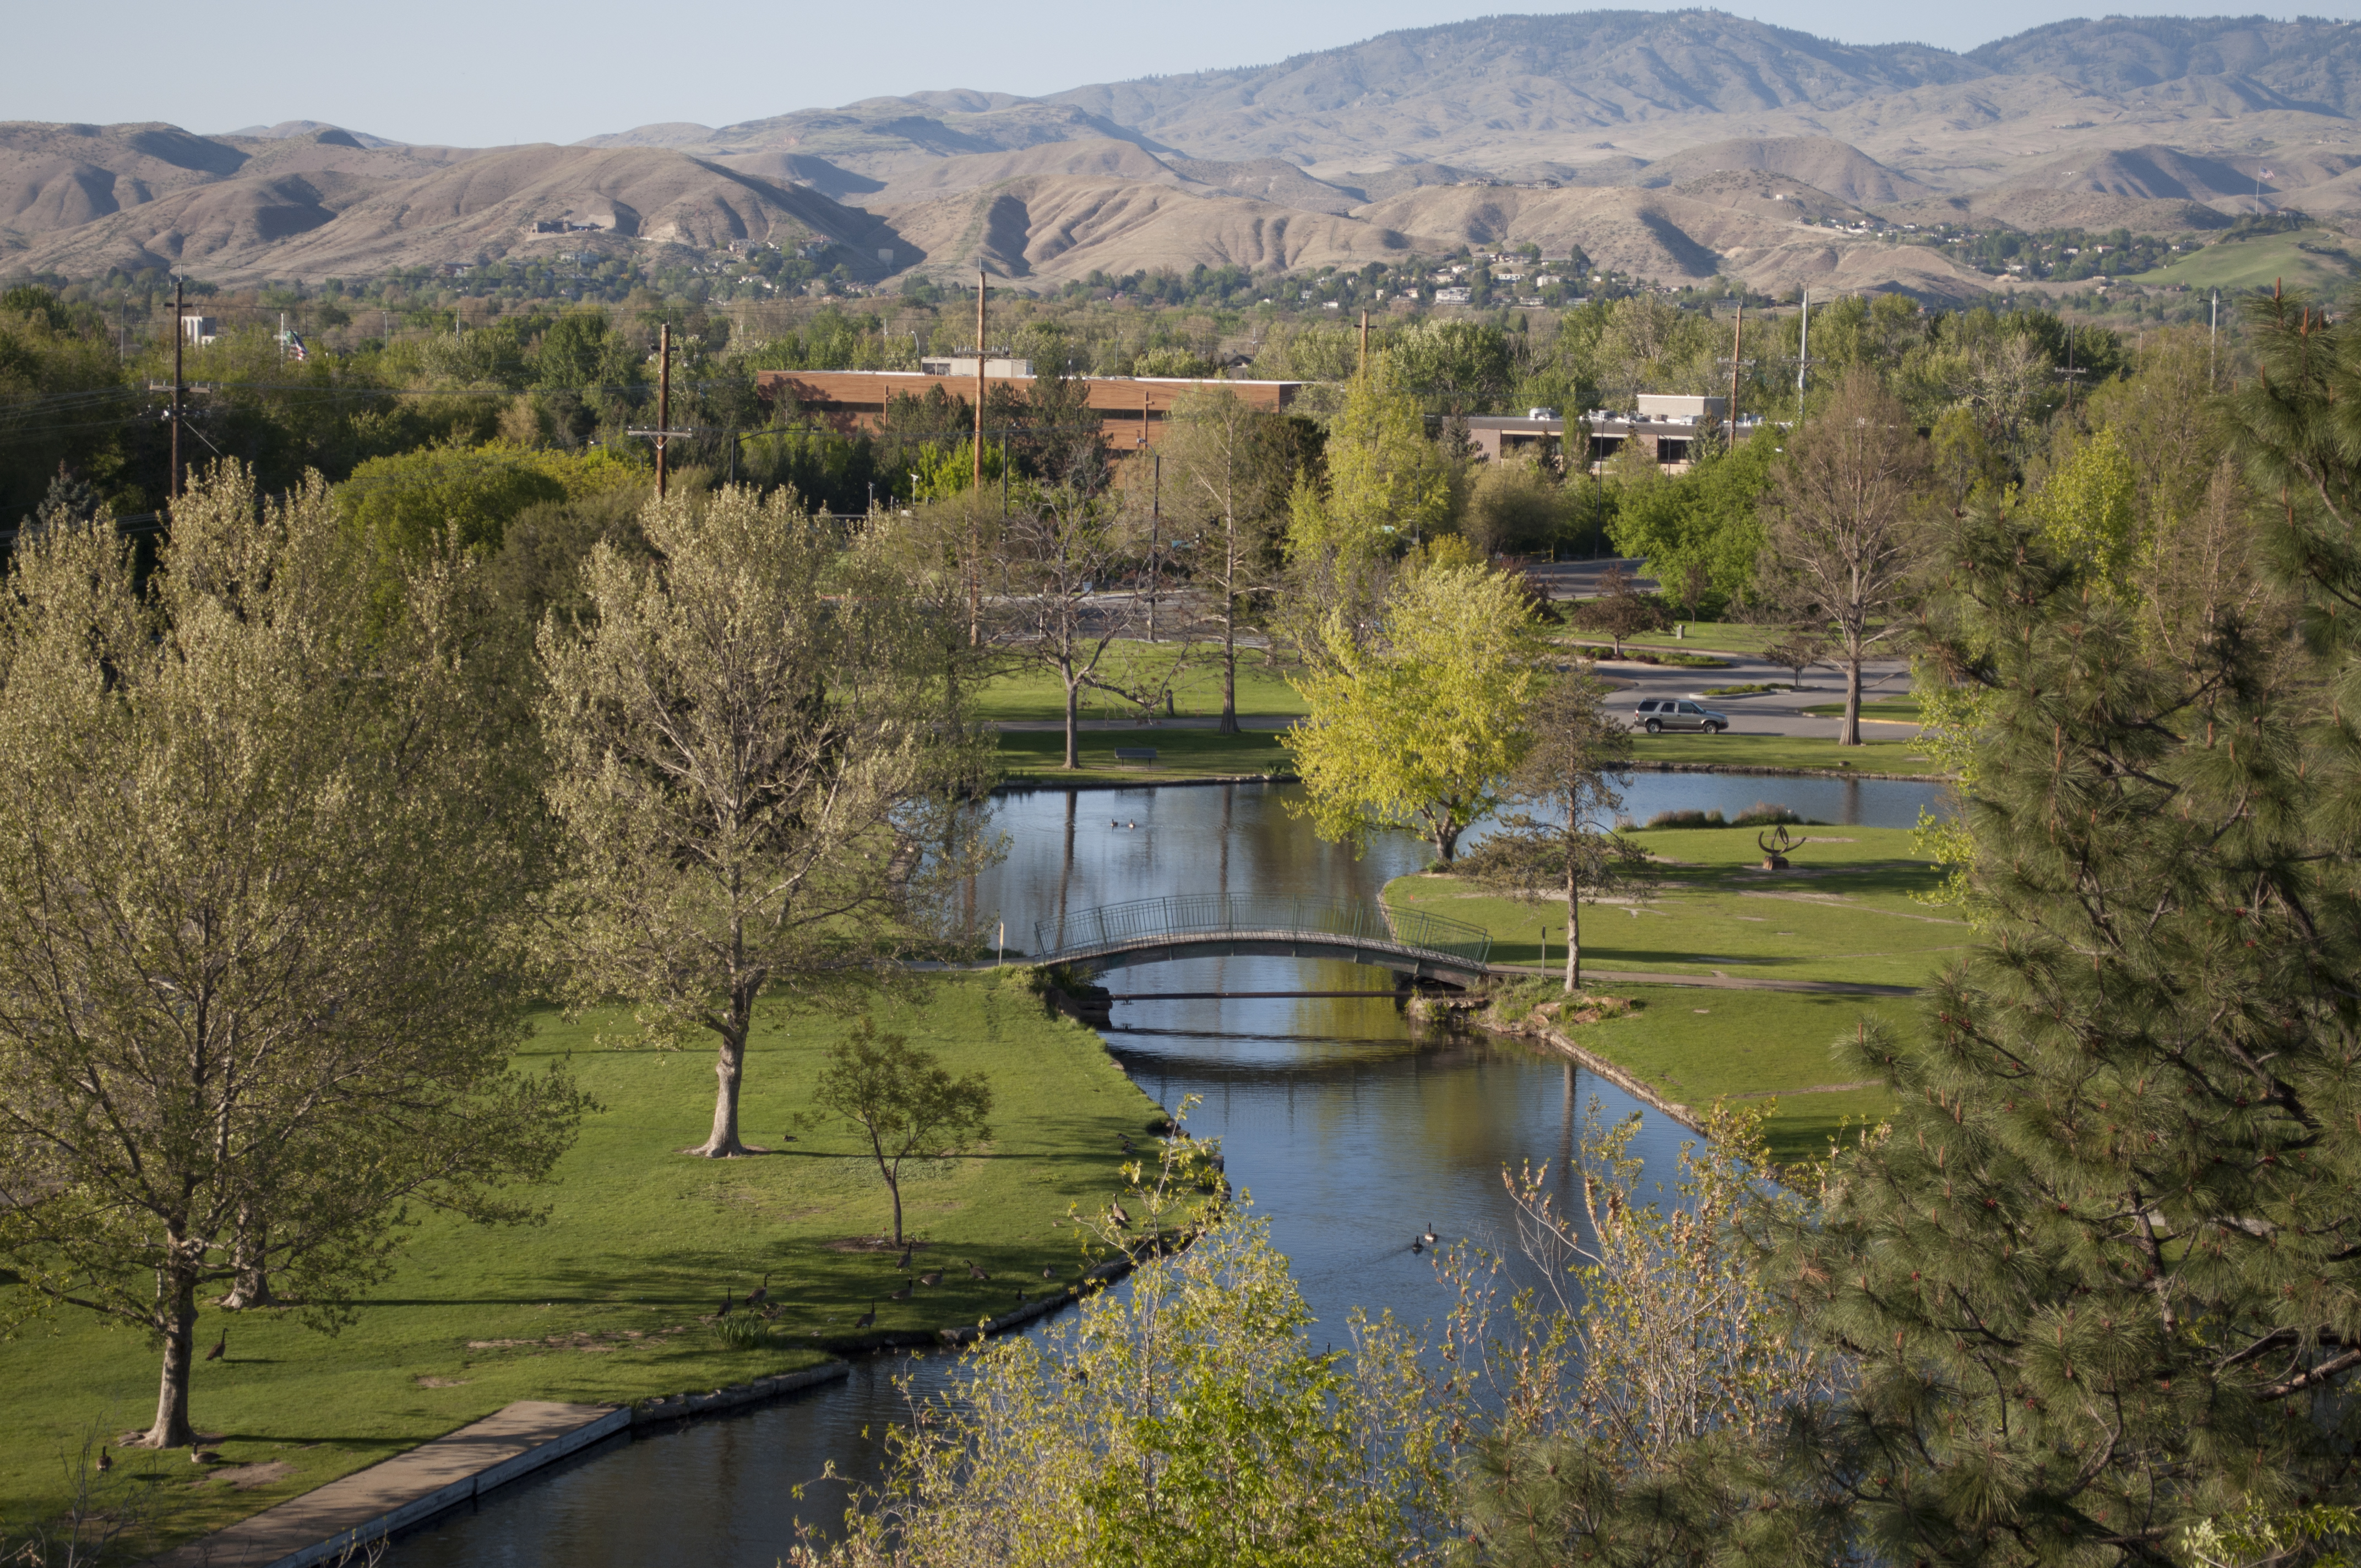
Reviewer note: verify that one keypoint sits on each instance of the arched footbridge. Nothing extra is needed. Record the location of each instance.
(1214, 925)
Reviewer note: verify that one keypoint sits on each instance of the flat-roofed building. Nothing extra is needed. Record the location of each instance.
(1669, 437)
(1132, 409)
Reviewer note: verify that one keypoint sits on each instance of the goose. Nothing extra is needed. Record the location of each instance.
(221, 1347)
(761, 1293)
(1122, 1219)
(906, 1251)
(1048, 1272)
(901, 1295)
(932, 1277)
(867, 1318)
(727, 1302)
(202, 1456)
(1416, 1247)
(1020, 1297)
(105, 1460)
(975, 1273)
(1429, 1237)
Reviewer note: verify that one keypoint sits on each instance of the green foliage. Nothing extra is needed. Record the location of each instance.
(902, 1102)
(424, 503)
(2088, 512)
(1386, 480)
(1186, 1419)
(1705, 520)
(2123, 1146)
(267, 907)
(1421, 730)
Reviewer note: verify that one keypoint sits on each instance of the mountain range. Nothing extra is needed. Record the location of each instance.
(1668, 144)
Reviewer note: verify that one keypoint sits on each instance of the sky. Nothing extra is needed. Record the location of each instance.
(468, 74)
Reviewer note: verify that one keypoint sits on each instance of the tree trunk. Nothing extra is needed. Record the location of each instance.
(1446, 842)
(177, 1284)
(1573, 937)
(1849, 733)
(1229, 724)
(730, 1068)
(1073, 723)
(893, 1185)
(252, 1286)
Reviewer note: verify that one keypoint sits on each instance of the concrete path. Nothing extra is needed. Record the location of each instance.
(1716, 981)
(325, 1525)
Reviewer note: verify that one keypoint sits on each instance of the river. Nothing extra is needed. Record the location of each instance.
(1351, 1136)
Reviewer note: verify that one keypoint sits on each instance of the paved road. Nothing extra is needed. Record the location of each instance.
(1771, 713)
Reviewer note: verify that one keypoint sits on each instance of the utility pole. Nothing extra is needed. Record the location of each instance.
(975, 492)
(2212, 334)
(1154, 536)
(1365, 343)
(1803, 350)
(664, 401)
(2070, 373)
(180, 335)
(1737, 347)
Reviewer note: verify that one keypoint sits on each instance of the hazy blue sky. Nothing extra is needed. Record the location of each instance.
(444, 70)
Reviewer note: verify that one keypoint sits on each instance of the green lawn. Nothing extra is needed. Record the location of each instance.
(1038, 755)
(607, 1300)
(1036, 693)
(2260, 261)
(1712, 637)
(1694, 1047)
(1791, 752)
(1843, 911)
(1902, 708)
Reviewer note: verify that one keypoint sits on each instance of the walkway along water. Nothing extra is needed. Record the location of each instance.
(1351, 1136)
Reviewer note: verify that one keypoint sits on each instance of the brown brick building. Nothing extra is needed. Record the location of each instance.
(1134, 409)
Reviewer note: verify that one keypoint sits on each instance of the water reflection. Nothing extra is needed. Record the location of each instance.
(1351, 1134)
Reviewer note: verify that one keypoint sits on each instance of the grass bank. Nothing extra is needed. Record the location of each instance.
(1695, 1047)
(1037, 694)
(1843, 911)
(609, 1300)
(1786, 753)
(1036, 756)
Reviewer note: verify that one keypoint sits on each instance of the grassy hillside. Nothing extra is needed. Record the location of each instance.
(2306, 258)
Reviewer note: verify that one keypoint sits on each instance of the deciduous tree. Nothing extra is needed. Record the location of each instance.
(1227, 469)
(902, 1101)
(1842, 535)
(263, 876)
(1420, 727)
(1559, 839)
(750, 766)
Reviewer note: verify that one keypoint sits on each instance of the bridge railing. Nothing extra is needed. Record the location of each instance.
(1215, 914)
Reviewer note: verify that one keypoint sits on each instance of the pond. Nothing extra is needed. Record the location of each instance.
(1350, 1135)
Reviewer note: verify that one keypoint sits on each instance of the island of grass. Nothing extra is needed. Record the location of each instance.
(1782, 754)
(1843, 911)
(612, 1300)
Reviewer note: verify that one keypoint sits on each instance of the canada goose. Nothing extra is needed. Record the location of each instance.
(202, 1456)
(867, 1318)
(932, 1277)
(906, 1251)
(1429, 1238)
(727, 1302)
(975, 1273)
(221, 1347)
(1020, 1297)
(105, 1460)
(1416, 1247)
(1048, 1272)
(1129, 1146)
(761, 1293)
(901, 1295)
(1122, 1218)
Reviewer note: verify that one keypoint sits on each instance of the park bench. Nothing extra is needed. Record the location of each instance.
(1135, 753)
